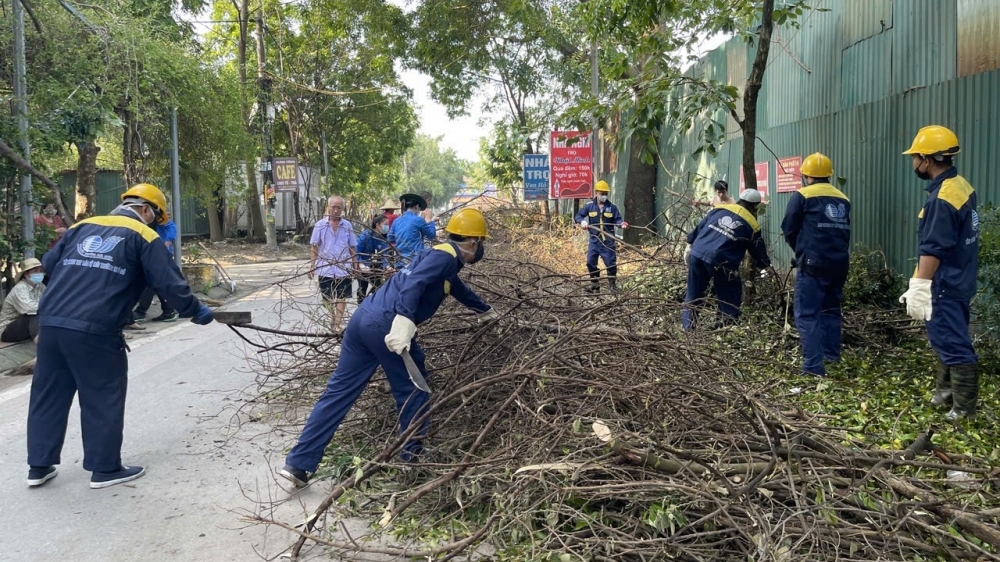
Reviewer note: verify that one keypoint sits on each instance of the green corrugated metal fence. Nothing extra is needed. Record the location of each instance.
(111, 185)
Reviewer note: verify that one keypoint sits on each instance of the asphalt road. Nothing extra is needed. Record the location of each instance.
(208, 460)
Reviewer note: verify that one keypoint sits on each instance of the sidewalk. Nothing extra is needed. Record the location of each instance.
(248, 278)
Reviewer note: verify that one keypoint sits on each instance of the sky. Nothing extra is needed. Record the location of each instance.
(461, 135)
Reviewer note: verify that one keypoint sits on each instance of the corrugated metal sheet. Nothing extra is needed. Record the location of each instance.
(867, 70)
(925, 43)
(978, 36)
(110, 186)
(862, 19)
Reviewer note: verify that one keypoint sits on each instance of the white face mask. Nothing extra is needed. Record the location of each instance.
(602, 198)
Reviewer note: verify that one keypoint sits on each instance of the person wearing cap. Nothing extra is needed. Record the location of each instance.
(600, 217)
(817, 226)
(168, 234)
(384, 328)
(722, 197)
(944, 283)
(715, 250)
(407, 233)
(388, 209)
(19, 313)
(96, 273)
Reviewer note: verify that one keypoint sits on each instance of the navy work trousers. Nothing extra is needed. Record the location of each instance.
(728, 290)
(362, 351)
(818, 318)
(948, 331)
(96, 367)
(606, 250)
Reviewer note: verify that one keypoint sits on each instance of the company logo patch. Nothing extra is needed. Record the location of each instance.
(975, 221)
(836, 212)
(729, 223)
(95, 247)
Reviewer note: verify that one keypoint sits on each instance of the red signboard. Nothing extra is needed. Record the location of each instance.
(760, 169)
(571, 161)
(789, 178)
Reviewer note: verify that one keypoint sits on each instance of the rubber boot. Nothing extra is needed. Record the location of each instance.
(594, 286)
(965, 391)
(611, 285)
(942, 391)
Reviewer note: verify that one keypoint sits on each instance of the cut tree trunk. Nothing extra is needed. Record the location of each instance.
(640, 192)
(86, 179)
(215, 232)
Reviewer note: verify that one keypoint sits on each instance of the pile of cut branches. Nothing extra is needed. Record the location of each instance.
(582, 427)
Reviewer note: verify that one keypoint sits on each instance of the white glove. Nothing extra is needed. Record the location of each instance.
(584, 224)
(487, 316)
(399, 336)
(687, 254)
(763, 274)
(918, 299)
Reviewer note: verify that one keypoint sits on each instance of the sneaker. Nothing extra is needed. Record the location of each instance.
(124, 474)
(38, 475)
(139, 318)
(297, 477)
(166, 317)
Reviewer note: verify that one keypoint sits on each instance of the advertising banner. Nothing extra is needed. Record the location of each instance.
(536, 177)
(789, 178)
(286, 174)
(572, 172)
(761, 171)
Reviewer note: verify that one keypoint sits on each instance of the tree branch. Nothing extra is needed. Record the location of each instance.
(23, 165)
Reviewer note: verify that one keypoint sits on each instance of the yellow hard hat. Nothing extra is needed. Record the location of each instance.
(602, 186)
(152, 195)
(934, 140)
(817, 166)
(468, 222)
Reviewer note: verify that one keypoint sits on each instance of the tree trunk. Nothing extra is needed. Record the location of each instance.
(640, 191)
(86, 179)
(214, 206)
(129, 149)
(255, 217)
(749, 123)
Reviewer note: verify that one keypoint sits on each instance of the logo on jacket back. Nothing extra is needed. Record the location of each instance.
(95, 247)
(727, 226)
(836, 212)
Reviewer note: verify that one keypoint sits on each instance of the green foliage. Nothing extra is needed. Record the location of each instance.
(871, 283)
(987, 303)
(429, 168)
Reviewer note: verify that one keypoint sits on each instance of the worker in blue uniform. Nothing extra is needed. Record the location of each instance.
(714, 252)
(944, 282)
(817, 226)
(96, 273)
(600, 217)
(381, 330)
(373, 252)
(409, 230)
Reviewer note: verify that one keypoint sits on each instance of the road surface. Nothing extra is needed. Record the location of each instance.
(206, 463)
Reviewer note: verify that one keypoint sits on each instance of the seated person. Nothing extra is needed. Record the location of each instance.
(19, 314)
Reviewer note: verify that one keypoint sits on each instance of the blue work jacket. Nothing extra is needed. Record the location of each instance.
(817, 225)
(948, 229)
(725, 235)
(370, 244)
(605, 219)
(98, 270)
(407, 235)
(417, 290)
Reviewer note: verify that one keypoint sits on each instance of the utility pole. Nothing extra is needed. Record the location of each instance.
(175, 183)
(25, 198)
(326, 168)
(596, 157)
(267, 150)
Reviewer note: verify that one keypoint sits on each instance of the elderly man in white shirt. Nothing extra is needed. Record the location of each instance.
(19, 314)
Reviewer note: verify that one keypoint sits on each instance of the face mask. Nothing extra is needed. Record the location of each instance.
(36, 278)
(50, 212)
(385, 229)
(602, 198)
(480, 251)
(922, 175)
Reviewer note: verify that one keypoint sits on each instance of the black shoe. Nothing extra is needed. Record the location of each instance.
(123, 474)
(166, 317)
(297, 477)
(38, 475)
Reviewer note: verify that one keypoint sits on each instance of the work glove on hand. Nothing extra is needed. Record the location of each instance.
(624, 225)
(763, 274)
(487, 316)
(399, 336)
(203, 316)
(918, 299)
(687, 255)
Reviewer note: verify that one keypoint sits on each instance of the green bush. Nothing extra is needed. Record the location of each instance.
(986, 305)
(871, 283)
